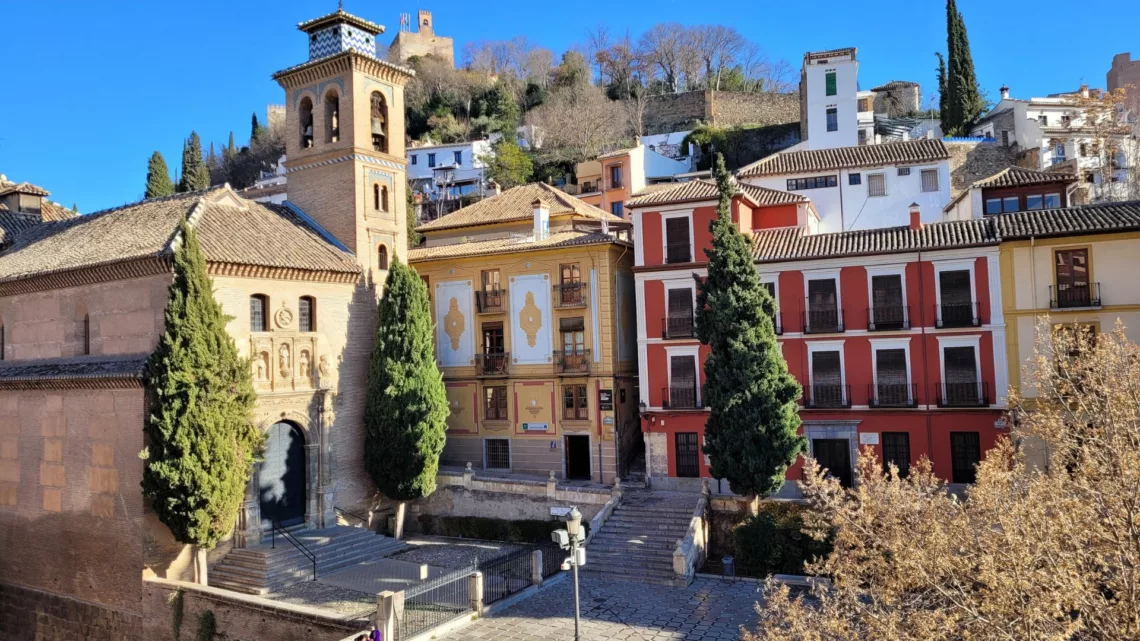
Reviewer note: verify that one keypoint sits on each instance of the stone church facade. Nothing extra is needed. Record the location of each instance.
(81, 307)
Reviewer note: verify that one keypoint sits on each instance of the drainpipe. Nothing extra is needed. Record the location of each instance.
(925, 361)
(842, 222)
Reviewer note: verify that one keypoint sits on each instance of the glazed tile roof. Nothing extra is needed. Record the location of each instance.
(84, 368)
(890, 153)
(340, 15)
(515, 204)
(697, 190)
(350, 52)
(230, 229)
(556, 240)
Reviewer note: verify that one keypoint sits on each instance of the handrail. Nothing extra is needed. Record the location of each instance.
(346, 513)
(297, 544)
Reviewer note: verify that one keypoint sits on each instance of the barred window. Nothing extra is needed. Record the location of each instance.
(498, 453)
(306, 308)
(876, 185)
(929, 180)
(904, 171)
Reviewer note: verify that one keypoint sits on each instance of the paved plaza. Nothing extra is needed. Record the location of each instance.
(707, 610)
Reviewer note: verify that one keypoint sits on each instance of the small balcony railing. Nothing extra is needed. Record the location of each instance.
(963, 395)
(680, 397)
(823, 320)
(491, 300)
(957, 315)
(824, 395)
(494, 364)
(885, 318)
(1074, 296)
(590, 187)
(570, 295)
(893, 395)
(572, 362)
(677, 326)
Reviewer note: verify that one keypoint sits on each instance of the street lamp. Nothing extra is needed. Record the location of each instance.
(570, 539)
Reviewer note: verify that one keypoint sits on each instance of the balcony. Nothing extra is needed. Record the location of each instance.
(963, 395)
(957, 315)
(572, 362)
(569, 295)
(677, 326)
(893, 395)
(590, 187)
(495, 364)
(827, 395)
(886, 318)
(1072, 296)
(823, 320)
(680, 397)
(491, 301)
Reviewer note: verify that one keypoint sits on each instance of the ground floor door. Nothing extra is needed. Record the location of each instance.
(281, 477)
(578, 457)
(834, 454)
(688, 455)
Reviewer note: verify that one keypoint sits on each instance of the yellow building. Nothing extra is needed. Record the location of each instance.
(532, 296)
(1074, 265)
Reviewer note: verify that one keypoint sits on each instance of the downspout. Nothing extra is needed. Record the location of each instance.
(842, 222)
(925, 360)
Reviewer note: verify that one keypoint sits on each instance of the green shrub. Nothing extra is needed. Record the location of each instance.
(773, 542)
(478, 527)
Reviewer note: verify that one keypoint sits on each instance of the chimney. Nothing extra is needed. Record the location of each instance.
(606, 225)
(1084, 91)
(541, 220)
(1004, 92)
(915, 217)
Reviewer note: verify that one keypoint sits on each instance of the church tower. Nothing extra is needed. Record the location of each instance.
(344, 139)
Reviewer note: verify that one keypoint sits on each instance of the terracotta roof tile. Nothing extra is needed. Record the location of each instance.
(697, 190)
(792, 243)
(23, 188)
(509, 245)
(890, 153)
(515, 205)
(1019, 176)
(1070, 221)
(81, 368)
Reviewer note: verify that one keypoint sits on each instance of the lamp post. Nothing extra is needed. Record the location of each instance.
(570, 539)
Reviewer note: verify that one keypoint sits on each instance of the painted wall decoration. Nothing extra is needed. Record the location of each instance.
(534, 407)
(532, 319)
(462, 401)
(454, 329)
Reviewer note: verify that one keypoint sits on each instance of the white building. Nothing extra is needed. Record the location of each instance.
(271, 187)
(829, 92)
(448, 171)
(861, 186)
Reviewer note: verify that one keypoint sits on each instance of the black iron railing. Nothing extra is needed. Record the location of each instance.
(346, 515)
(677, 326)
(680, 397)
(823, 320)
(572, 361)
(957, 315)
(552, 557)
(1074, 296)
(493, 364)
(963, 394)
(570, 295)
(306, 552)
(505, 575)
(434, 602)
(892, 395)
(490, 300)
(824, 395)
(884, 318)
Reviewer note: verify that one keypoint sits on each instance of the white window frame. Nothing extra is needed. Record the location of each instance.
(823, 274)
(953, 266)
(688, 284)
(885, 270)
(828, 346)
(974, 341)
(891, 343)
(510, 452)
(665, 237)
(937, 180)
(684, 350)
(775, 280)
(883, 175)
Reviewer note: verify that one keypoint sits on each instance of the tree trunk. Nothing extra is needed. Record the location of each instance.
(200, 571)
(401, 509)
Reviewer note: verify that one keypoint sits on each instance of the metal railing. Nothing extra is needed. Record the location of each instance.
(308, 554)
(570, 295)
(824, 395)
(963, 394)
(884, 318)
(495, 364)
(957, 315)
(346, 515)
(893, 395)
(823, 320)
(678, 253)
(505, 575)
(490, 300)
(1074, 296)
(680, 397)
(575, 361)
(677, 326)
(553, 555)
(433, 602)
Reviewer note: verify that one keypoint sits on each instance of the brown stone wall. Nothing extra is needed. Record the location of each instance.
(972, 161)
(32, 615)
(680, 111)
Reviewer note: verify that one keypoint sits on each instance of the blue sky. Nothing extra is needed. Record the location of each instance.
(92, 88)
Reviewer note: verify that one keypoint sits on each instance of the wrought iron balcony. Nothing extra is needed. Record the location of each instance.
(677, 326)
(893, 395)
(680, 397)
(570, 295)
(1074, 296)
(827, 395)
(491, 301)
(957, 315)
(823, 320)
(963, 395)
(572, 362)
(885, 318)
(493, 364)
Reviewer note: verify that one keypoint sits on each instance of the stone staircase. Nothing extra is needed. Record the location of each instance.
(636, 542)
(262, 568)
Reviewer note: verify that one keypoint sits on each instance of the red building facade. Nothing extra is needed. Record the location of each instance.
(895, 334)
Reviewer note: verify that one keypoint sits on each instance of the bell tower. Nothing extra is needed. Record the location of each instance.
(344, 145)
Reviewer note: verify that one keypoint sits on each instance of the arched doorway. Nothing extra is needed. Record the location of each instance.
(281, 478)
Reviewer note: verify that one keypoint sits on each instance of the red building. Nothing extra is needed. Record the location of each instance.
(895, 334)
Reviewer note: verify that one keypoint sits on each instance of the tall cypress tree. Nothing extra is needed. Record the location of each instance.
(158, 182)
(256, 131)
(200, 445)
(405, 414)
(751, 436)
(943, 94)
(963, 102)
(195, 174)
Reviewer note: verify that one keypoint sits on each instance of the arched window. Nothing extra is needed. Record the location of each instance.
(259, 313)
(332, 116)
(384, 198)
(305, 123)
(307, 314)
(376, 197)
(379, 122)
(382, 257)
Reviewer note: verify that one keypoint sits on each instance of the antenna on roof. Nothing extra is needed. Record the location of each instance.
(340, 5)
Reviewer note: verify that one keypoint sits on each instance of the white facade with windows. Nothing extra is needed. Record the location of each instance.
(452, 170)
(829, 84)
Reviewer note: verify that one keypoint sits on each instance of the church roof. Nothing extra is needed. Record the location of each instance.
(556, 240)
(516, 204)
(231, 230)
(340, 15)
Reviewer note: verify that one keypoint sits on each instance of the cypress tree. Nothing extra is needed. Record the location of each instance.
(230, 150)
(200, 445)
(405, 415)
(942, 90)
(256, 131)
(751, 436)
(195, 174)
(158, 182)
(963, 102)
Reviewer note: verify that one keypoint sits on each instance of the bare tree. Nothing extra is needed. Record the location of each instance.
(597, 42)
(661, 47)
(1104, 131)
(718, 47)
(634, 107)
(539, 62)
(577, 122)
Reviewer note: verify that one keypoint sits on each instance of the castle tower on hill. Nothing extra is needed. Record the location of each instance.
(344, 138)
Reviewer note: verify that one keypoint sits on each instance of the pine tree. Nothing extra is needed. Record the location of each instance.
(195, 174)
(751, 436)
(963, 101)
(157, 177)
(405, 415)
(200, 442)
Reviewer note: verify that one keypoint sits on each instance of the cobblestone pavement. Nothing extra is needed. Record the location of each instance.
(707, 610)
